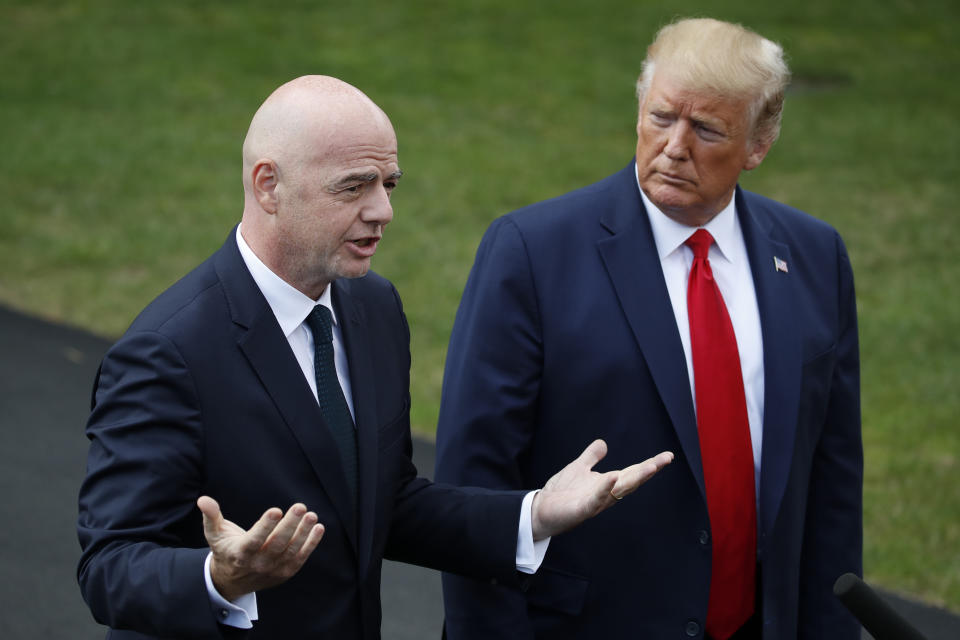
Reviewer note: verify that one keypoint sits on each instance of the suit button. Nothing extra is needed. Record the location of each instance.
(703, 537)
(693, 628)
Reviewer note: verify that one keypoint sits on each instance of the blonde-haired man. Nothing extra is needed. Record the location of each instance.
(666, 308)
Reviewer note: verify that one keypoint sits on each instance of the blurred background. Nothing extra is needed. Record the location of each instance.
(121, 124)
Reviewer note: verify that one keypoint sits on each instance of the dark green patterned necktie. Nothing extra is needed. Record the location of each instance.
(333, 405)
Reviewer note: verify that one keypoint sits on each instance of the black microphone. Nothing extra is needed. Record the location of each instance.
(874, 614)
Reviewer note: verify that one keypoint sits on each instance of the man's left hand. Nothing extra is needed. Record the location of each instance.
(577, 492)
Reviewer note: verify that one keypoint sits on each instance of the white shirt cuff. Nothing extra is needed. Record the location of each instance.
(240, 613)
(529, 553)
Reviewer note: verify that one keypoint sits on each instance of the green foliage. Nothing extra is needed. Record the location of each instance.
(121, 125)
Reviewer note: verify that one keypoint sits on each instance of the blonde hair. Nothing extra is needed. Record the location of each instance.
(723, 58)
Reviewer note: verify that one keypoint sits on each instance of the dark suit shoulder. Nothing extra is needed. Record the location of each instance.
(186, 296)
(577, 208)
(776, 217)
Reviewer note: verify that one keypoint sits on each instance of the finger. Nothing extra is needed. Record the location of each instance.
(314, 537)
(634, 476)
(279, 539)
(261, 530)
(593, 454)
(603, 495)
(304, 527)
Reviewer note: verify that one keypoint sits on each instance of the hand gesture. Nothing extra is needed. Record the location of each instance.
(577, 492)
(272, 551)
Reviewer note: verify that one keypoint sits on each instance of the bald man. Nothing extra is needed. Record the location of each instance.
(276, 373)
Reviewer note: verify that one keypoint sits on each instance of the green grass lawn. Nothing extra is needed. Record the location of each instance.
(121, 126)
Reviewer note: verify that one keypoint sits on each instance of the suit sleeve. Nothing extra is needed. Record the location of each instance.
(137, 513)
(470, 532)
(833, 535)
(488, 412)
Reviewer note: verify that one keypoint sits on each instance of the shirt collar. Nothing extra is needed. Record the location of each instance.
(669, 235)
(290, 306)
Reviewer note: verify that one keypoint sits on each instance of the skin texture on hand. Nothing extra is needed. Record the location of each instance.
(577, 493)
(272, 551)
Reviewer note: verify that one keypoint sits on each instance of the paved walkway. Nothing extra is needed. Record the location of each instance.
(46, 372)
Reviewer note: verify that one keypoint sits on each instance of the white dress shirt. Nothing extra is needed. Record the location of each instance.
(291, 308)
(731, 270)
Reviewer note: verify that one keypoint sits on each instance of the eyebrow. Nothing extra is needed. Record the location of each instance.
(354, 178)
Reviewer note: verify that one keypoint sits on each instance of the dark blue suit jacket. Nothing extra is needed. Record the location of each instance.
(565, 333)
(203, 395)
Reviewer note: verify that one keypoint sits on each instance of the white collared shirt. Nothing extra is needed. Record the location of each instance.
(291, 307)
(731, 269)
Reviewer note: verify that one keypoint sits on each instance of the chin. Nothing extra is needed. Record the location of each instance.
(357, 272)
(671, 202)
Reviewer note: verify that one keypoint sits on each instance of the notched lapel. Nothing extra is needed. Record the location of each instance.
(781, 356)
(633, 265)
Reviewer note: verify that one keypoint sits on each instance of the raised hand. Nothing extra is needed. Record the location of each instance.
(577, 492)
(272, 551)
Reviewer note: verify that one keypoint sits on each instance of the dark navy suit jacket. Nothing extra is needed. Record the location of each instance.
(565, 333)
(203, 395)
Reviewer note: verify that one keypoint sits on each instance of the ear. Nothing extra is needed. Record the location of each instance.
(265, 177)
(756, 152)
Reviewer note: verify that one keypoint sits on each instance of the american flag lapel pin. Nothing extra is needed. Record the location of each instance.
(779, 265)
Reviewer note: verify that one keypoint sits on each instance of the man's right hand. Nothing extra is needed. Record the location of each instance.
(272, 551)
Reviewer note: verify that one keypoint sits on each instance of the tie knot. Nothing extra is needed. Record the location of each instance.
(700, 242)
(320, 321)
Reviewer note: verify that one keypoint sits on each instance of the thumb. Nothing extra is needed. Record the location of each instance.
(212, 518)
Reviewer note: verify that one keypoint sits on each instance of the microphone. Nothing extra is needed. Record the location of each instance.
(874, 614)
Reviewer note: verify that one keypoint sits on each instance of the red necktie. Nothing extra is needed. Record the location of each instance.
(724, 447)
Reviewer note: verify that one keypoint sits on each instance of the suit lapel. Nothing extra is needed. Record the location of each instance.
(267, 350)
(781, 356)
(633, 265)
(353, 328)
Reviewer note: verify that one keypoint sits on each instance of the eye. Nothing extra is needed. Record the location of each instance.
(709, 134)
(660, 119)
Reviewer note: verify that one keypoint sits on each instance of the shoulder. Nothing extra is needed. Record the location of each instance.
(580, 207)
(777, 217)
(187, 301)
(805, 234)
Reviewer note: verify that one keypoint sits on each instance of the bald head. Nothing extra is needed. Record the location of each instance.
(303, 117)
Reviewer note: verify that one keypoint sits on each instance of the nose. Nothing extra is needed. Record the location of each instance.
(677, 146)
(378, 209)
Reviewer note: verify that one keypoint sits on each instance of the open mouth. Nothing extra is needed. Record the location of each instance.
(365, 247)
